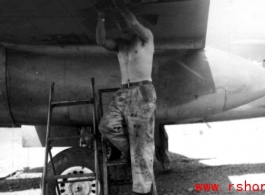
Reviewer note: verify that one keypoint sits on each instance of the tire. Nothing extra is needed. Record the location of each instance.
(72, 161)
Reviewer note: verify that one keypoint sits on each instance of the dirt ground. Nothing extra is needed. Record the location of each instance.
(241, 158)
(186, 172)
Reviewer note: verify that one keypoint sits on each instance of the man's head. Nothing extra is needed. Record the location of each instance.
(127, 33)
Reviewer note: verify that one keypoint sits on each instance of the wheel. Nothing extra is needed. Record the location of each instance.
(68, 162)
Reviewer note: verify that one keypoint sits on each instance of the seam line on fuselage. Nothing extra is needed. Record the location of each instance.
(225, 100)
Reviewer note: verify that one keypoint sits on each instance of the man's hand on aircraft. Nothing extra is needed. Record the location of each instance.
(102, 5)
(119, 3)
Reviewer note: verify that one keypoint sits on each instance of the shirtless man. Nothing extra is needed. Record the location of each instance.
(129, 120)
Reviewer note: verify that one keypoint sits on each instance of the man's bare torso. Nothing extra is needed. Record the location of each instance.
(136, 59)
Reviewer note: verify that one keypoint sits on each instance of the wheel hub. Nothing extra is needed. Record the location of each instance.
(77, 188)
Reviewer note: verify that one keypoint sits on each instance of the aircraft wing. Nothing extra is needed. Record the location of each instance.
(175, 24)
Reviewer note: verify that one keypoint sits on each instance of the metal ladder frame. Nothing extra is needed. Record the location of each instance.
(106, 183)
(97, 113)
(89, 176)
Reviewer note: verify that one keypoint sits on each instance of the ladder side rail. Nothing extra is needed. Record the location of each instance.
(105, 168)
(95, 123)
(54, 171)
(106, 188)
(106, 184)
(47, 147)
(100, 103)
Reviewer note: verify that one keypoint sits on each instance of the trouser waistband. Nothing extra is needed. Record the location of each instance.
(128, 85)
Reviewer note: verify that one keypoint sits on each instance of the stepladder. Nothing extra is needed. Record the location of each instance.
(77, 179)
(107, 174)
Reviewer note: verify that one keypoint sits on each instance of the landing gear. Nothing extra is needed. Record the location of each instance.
(72, 161)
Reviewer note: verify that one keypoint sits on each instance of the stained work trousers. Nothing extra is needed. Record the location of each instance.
(128, 123)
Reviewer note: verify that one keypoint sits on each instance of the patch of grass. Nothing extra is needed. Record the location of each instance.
(34, 170)
(19, 184)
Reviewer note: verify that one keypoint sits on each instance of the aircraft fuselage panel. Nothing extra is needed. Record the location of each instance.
(190, 84)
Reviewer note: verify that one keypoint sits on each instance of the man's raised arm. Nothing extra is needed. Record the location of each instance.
(109, 44)
(132, 21)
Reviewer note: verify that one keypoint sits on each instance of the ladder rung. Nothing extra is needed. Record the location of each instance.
(62, 138)
(108, 90)
(120, 182)
(116, 163)
(71, 103)
(91, 176)
(76, 180)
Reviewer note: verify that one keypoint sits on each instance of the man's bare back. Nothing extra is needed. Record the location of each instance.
(136, 59)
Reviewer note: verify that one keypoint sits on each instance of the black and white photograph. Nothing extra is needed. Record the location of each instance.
(132, 97)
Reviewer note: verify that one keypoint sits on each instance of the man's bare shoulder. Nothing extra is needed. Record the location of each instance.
(149, 35)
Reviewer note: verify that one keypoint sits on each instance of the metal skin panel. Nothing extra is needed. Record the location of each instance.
(253, 109)
(5, 115)
(174, 23)
(243, 81)
(190, 84)
(31, 75)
